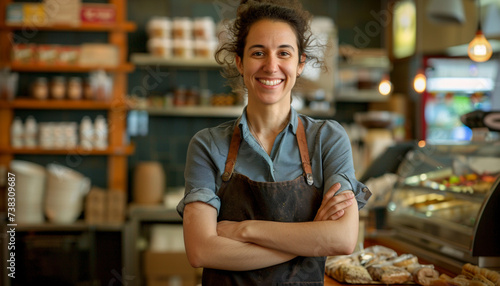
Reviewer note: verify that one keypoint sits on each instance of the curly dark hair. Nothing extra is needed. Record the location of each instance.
(233, 39)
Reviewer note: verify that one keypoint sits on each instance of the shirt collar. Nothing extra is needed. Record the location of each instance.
(245, 131)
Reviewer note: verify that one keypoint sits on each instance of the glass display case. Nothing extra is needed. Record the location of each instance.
(447, 202)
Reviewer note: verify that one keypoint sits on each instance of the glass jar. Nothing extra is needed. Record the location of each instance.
(39, 88)
(74, 88)
(88, 90)
(58, 87)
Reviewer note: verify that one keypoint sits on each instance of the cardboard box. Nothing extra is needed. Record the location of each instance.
(163, 264)
(15, 14)
(34, 14)
(98, 55)
(65, 12)
(97, 13)
(171, 281)
(168, 269)
(116, 204)
(95, 206)
(23, 54)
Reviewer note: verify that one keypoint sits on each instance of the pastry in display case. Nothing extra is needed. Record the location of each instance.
(446, 203)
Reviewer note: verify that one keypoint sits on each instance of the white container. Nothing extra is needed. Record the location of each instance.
(30, 191)
(17, 133)
(86, 133)
(204, 28)
(204, 48)
(183, 48)
(30, 132)
(66, 190)
(100, 133)
(160, 47)
(159, 27)
(182, 28)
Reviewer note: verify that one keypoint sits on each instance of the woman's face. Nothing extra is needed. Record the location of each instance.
(270, 62)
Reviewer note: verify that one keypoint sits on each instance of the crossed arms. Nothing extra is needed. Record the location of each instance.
(254, 244)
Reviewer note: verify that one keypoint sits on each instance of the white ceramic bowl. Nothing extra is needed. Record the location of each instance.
(66, 190)
(30, 190)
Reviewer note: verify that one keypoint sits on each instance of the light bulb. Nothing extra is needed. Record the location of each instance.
(385, 86)
(420, 82)
(479, 48)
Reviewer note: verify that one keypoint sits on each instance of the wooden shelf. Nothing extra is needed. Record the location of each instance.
(26, 103)
(220, 111)
(79, 225)
(196, 111)
(84, 27)
(143, 59)
(59, 68)
(360, 96)
(121, 151)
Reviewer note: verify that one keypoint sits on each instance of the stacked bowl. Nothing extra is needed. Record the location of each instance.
(30, 186)
(66, 190)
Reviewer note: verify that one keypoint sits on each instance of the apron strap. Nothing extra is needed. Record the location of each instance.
(235, 145)
(233, 153)
(304, 152)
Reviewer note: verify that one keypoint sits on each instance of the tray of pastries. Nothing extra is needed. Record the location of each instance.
(381, 265)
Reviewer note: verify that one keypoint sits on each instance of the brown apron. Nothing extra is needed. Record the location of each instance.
(289, 201)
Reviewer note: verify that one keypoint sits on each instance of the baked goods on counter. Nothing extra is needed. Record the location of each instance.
(381, 265)
(471, 275)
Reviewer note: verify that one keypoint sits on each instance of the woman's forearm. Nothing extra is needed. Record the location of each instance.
(205, 248)
(316, 238)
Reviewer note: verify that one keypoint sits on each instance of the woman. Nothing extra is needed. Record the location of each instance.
(266, 196)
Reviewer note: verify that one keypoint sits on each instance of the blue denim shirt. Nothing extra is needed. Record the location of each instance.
(329, 151)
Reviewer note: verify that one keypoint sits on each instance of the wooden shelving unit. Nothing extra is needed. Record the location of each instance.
(116, 108)
(55, 68)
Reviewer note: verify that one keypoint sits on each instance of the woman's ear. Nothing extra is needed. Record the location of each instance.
(239, 64)
(302, 63)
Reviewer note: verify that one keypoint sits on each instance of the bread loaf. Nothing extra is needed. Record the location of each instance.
(389, 274)
(354, 274)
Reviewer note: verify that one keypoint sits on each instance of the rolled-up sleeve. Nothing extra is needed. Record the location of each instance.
(199, 195)
(338, 166)
(201, 173)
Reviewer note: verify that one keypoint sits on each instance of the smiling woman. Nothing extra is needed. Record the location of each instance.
(270, 194)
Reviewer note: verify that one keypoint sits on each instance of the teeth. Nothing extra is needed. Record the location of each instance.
(270, 82)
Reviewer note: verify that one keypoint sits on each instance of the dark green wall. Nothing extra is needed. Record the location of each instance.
(358, 24)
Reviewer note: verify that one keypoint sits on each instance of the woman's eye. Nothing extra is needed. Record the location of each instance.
(258, 54)
(284, 54)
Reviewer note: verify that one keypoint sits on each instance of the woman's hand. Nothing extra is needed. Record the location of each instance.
(332, 207)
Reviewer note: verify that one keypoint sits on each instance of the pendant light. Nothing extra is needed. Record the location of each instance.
(420, 80)
(385, 86)
(479, 49)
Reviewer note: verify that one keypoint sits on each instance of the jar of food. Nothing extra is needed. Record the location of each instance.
(88, 90)
(203, 28)
(74, 88)
(183, 48)
(58, 87)
(39, 88)
(160, 47)
(159, 27)
(182, 28)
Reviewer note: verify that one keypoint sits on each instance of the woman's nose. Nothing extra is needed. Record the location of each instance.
(271, 64)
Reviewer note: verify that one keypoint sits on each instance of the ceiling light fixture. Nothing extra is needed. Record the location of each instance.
(479, 49)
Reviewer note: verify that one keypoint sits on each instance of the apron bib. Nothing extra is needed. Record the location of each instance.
(289, 201)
